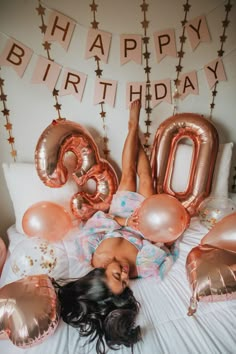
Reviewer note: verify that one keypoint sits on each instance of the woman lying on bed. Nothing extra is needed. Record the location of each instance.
(101, 304)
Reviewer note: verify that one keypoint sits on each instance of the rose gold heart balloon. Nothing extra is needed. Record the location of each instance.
(29, 310)
(212, 275)
(223, 234)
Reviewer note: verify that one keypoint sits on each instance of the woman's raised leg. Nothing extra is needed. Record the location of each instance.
(146, 187)
(131, 150)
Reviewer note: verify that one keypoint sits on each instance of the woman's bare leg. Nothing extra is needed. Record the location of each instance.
(130, 150)
(144, 172)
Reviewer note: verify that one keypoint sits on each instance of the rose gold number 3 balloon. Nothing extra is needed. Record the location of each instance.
(205, 147)
(60, 137)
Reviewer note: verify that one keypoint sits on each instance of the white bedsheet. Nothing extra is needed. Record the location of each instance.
(163, 317)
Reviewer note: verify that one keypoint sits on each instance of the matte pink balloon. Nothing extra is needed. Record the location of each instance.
(223, 234)
(47, 220)
(162, 218)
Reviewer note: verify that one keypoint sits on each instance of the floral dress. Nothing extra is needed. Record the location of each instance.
(152, 259)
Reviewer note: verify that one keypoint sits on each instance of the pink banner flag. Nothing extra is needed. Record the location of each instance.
(161, 91)
(188, 84)
(130, 48)
(197, 31)
(214, 71)
(98, 44)
(165, 44)
(60, 29)
(46, 72)
(135, 90)
(16, 55)
(73, 83)
(105, 91)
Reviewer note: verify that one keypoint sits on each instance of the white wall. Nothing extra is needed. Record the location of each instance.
(31, 106)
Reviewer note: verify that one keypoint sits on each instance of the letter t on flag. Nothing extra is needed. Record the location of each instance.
(105, 91)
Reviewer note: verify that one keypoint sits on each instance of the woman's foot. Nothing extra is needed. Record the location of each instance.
(135, 107)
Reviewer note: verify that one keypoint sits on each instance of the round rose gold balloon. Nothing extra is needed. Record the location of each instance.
(29, 310)
(162, 218)
(223, 234)
(47, 220)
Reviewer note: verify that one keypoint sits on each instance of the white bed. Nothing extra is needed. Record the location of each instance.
(163, 317)
(166, 327)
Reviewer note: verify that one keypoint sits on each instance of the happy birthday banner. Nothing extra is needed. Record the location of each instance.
(60, 28)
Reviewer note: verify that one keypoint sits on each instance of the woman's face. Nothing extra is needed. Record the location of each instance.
(117, 275)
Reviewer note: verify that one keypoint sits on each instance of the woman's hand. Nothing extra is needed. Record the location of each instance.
(133, 220)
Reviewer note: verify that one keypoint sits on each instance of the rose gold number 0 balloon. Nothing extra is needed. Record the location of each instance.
(205, 147)
(60, 137)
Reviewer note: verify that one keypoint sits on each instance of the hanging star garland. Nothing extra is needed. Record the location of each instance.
(147, 71)
(223, 37)
(180, 54)
(98, 72)
(8, 125)
(47, 47)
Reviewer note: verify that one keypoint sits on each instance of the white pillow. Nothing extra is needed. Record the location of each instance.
(220, 181)
(232, 196)
(26, 188)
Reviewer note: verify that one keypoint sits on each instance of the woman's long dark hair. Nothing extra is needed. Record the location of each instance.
(89, 305)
